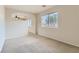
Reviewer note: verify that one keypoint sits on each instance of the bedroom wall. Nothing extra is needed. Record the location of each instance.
(68, 25)
(32, 29)
(16, 28)
(2, 26)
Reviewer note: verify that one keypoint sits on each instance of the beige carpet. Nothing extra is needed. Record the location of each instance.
(36, 44)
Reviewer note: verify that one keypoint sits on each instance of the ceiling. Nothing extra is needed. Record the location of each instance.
(30, 8)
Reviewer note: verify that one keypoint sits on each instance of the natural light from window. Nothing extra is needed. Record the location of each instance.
(50, 20)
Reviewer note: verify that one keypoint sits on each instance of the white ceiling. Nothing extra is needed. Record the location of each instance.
(30, 8)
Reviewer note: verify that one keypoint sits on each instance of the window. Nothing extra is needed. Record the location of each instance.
(29, 23)
(45, 21)
(50, 20)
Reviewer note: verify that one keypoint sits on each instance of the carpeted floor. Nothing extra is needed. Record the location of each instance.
(36, 44)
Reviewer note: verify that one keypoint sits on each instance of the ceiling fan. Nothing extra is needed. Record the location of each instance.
(43, 5)
(20, 16)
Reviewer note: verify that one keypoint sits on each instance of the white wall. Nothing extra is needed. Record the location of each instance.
(32, 29)
(15, 28)
(68, 29)
(2, 27)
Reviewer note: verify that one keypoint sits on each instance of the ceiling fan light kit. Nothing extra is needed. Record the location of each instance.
(20, 16)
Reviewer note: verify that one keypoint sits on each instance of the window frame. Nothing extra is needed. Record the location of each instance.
(56, 24)
(29, 23)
